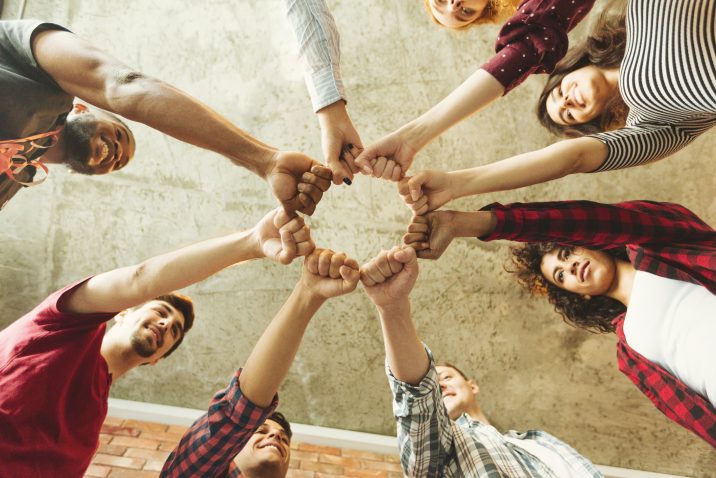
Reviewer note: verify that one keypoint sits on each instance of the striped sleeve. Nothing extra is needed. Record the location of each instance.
(319, 49)
(643, 143)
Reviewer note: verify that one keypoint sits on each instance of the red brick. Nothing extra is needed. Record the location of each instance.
(111, 449)
(322, 467)
(168, 445)
(381, 465)
(352, 472)
(104, 438)
(161, 436)
(123, 473)
(304, 455)
(147, 454)
(300, 474)
(97, 471)
(154, 465)
(113, 421)
(146, 426)
(124, 431)
(392, 458)
(340, 460)
(327, 475)
(324, 450)
(122, 461)
(364, 455)
(180, 429)
(133, 442)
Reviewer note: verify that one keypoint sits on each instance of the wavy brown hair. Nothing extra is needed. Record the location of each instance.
(595, 314)
(603, 48)
(495, 11)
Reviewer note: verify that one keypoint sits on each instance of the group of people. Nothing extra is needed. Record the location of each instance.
(641, 269)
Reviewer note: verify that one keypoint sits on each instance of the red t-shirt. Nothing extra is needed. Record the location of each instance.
(54, 386)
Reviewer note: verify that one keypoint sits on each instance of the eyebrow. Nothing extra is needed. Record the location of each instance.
(169, 312)
(560, 111)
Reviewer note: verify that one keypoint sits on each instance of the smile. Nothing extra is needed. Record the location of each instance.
(583, 271)
(274, 446)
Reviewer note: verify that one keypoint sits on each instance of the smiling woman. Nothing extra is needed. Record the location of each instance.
(462, 14)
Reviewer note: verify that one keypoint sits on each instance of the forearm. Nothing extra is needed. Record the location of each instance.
(175, 113)
(553, 162)
(472, 224)
(474, 94)
(270, 360)
(404, 352)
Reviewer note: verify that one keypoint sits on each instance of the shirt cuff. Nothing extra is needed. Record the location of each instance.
(406, 396)
(512, 65)
(325, 87)
(238, 408)
(509, 222)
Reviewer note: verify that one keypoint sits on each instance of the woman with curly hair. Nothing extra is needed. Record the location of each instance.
(643, 270)
(637, 91)
(532, 40)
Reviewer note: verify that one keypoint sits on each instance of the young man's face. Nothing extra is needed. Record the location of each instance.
(267, 453)
(152, 329)
(458, 394)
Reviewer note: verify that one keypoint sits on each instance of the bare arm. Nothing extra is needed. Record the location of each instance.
(325, 274)
(277, 236)
(94, 76)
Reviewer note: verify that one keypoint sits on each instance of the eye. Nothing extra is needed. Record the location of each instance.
(119, 134)
(560, 277)
(569, 115)
(284, 439)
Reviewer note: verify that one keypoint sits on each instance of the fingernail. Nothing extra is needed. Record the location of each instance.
(350, 145)
(347, 181)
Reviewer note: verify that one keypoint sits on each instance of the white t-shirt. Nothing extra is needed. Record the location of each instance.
(552, 459)
(673, 324)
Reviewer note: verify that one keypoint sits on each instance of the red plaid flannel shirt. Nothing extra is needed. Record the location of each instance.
(661, 238)
(208, 448)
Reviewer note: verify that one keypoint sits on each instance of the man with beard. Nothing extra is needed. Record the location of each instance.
(57, 363)
(43, 67)
(241, 435)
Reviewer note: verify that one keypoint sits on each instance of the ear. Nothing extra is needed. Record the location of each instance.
(119, 318)
(154, 362)
(79, 108)
(474, 388)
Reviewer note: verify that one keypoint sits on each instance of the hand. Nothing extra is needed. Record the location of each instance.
(426, 191)
(282, 237)
(340, 141)
(297, 181)
(389, 157)
(390, 276)
(430, 234)
(329, 274)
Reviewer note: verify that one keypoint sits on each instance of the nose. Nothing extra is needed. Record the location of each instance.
(455, 4)
(574, 268)
(442, 385)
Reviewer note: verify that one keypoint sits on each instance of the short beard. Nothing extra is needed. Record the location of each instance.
(78, 133)
(141, 347)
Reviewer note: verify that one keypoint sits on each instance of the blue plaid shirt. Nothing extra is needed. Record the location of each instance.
(432, 445)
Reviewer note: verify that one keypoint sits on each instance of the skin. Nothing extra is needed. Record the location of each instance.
(340, 141)
(456, 13)
(258, 458)
(582, 94)
(459, 395)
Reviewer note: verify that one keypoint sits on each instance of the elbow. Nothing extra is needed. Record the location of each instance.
(127, 90)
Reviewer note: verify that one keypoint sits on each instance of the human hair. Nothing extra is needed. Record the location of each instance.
(494, 12)
(185, 306)
(280, 418)
(448, 364)
(594, 314)
(603, 48)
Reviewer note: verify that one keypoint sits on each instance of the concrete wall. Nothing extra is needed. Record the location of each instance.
(239, 57)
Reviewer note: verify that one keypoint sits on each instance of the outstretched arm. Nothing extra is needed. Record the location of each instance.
(92, 75)
(325, 274)
(277, 236)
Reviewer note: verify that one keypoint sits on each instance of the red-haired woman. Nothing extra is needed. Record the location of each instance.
(643, 270)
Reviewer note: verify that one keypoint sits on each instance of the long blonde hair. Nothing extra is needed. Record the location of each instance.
(495, 11)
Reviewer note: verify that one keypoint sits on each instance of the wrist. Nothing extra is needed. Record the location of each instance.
(334, 112)
(471, 224)
(307, 297)
(394, 307)
(415, 134)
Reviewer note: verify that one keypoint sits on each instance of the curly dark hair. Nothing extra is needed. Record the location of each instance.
(594, 314)
(604, 48)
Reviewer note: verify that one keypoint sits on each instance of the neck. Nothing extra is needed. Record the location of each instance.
(120, 358)
(612, 77)
(623, 281)
(56, 154)
(475, 412)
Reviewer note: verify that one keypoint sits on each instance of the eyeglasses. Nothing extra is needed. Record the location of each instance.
(15, 155)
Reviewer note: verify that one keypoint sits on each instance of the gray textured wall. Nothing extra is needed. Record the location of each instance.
(239, 57)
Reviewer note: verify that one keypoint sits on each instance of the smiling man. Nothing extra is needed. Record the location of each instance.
(58, 94)
(57, 363)
(241, 435)
(442, 430)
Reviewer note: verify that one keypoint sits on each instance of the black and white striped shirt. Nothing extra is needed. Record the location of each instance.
(667, 79)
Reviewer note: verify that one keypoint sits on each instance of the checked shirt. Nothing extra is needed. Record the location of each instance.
(432, 445)
(661, 238)
(208, 448)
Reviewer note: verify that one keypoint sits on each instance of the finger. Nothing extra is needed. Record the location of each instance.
(312, 261)
(339, 169)
(322, 171)
(405, 255)
(288, 248)
(351, 152)
(395, 265)
(397, 173)
(382, 264)
(416, 227)
(365, 279)
(311, 191)
(350, 278)
(419, 220)
(308, 206)
(294, 225)
(320, 182)
(304, 248)
(303, 234)
(412, 237)
(428, 254)
(324, 262)
(374, 273)
(419, 204)
(388, 171)
(337, 261)
(290, 206)
(363, 161)
(379, 166)
(419, 211)
(415, 184)
(352, 263)
(282, 217)
(403, 188)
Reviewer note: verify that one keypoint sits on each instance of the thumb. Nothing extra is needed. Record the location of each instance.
(415, 185)
(287, 253)
(281, 218)
(332, 155)
(350, 276)
(406, 256)
(364, 159)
